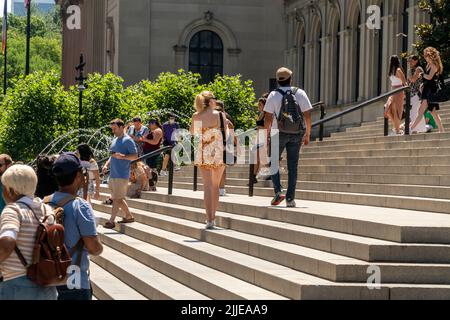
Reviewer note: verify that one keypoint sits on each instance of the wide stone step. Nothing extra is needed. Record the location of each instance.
(286, 281)
(325, 265)
(183, 272)
(423, 191)
(236, 180)
(414, 152)
(378, 200)
(106, 286)
(358, 140)
(403, 226)
(381, 145)
(359, 169)
(274, 277)
(367, 249)
(148, 282)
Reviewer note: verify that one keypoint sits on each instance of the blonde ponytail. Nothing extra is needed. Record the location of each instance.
(202, 100)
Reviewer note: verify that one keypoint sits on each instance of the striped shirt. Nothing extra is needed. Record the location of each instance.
(18, 218)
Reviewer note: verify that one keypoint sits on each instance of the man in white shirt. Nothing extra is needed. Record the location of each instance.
(292, 142)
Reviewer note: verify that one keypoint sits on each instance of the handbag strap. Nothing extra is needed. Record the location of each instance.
(222, 128)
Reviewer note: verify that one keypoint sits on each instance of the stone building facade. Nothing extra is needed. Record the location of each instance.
(335, 56)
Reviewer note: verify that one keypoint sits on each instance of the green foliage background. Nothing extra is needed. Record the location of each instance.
(37, 109)
(437, 33)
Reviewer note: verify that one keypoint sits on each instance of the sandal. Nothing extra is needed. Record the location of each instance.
(126, 220)
(108, 202)
(109, 225)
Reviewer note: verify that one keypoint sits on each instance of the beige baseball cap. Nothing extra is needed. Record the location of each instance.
(283, 74)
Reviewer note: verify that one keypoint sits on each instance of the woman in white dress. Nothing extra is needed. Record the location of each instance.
(415, 81)
(394, 106)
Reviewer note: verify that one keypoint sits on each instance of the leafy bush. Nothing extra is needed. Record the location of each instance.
(239, 99)
(103, 100)
(36, 111)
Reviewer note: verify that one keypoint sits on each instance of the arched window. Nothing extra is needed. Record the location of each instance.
(206, 55)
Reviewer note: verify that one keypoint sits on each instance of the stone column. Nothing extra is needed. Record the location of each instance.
(310, 69)
(328, 70)
(347, 62)
(180, 52)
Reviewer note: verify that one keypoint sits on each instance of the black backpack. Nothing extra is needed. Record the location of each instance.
(290, 119)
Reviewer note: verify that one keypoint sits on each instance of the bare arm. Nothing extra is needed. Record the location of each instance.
(401, 75)
(307, 137)
(7, 245)
(93, 245)
(415, 76)
(106, 166)
(432, 73)
(157, 135)
(97, 184)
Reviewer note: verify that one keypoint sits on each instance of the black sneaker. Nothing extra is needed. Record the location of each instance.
(279, 198)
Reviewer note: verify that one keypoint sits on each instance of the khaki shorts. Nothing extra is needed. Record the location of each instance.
(119, 188)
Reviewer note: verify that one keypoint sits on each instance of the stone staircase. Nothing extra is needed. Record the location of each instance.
(366, 202)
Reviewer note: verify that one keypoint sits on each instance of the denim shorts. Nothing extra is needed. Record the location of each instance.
(23, 288)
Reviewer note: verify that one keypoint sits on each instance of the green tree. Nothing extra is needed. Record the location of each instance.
(437, 32)
(36, 111)
(103, 100)
(45, 44)
(239, 99)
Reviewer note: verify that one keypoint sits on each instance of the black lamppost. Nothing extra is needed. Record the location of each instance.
(81, 87)
(27, 52)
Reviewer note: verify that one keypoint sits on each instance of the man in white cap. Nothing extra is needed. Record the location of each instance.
(288, 115)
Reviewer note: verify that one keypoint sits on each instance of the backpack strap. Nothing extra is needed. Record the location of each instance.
(16, 248)
(61, 203)
(78, 248)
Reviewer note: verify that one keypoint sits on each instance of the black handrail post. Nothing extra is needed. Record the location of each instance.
(386, 127)
(170, 187)
(322, 125)
(251, 180)
(407, 112)
(195, 167)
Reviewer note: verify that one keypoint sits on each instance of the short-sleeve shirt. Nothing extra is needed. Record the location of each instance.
(79, 221)
(90, 167)
(273, 104)
(120, 169)
(168, 130)
(143, 132)
(2, 201)
(18, 218)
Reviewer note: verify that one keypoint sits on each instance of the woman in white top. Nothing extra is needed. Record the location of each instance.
(89, 164)
(394, 106)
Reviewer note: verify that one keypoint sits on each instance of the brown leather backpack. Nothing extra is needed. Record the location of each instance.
(50, 258)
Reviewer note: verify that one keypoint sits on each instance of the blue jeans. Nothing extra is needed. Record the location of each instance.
(292, 143)
(23, 288)
(65, 293)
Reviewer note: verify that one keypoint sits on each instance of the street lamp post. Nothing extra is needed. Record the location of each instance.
(81, 87)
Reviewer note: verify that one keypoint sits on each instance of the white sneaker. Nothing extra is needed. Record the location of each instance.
(291, 204)
(210, 225)
(222, 192)
(164, 173)
(177, 168)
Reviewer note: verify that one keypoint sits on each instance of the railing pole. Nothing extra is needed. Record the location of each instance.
(407, 112)
(195, 187)
(170, 175)
(250, 179)
(195, 178)
(322, 125)
(386, 127)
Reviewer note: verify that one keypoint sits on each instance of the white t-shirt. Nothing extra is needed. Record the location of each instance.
(90, 166)
(273, 104)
